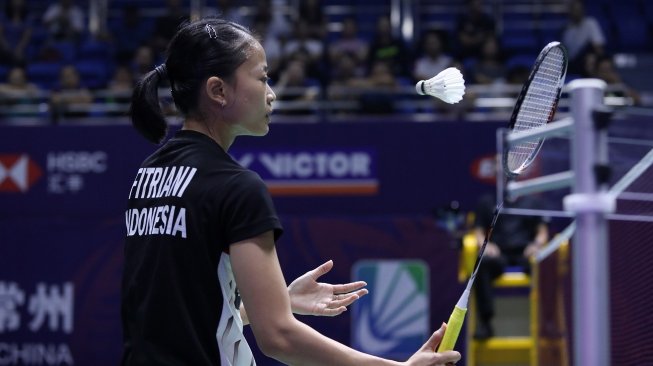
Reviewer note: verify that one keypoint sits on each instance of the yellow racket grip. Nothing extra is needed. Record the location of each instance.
(454, 325)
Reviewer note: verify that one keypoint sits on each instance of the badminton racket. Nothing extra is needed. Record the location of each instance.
(535, 107)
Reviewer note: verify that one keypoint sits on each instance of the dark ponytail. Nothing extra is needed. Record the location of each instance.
(199, 50)
(145, 111)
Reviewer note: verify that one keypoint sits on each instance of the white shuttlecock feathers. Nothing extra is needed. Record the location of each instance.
(448, 86)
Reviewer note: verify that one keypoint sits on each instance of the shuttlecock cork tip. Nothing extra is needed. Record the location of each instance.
(419, 87)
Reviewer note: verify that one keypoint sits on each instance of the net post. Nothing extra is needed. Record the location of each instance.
(590, 257)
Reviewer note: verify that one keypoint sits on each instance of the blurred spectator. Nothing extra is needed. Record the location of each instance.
(347, 76)
(582, 36)
(226, 9)
(272, 19)
(606, 71)
(16, 26)
(517, 75)
(293, 85)
(64, 20)
(312, 12)
(70, 92)
(490, 68)
(433, 60)
(119, 88)
(589, 66)
(142, 62)
(17, 88)
(473, 27)
(385, 47)
(167, 24)
(122, 80)
(377, 96)
(302, 44)
(130, 32)
(349, 43)
(381, 76)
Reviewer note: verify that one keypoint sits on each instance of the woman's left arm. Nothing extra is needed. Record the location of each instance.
(309, 297)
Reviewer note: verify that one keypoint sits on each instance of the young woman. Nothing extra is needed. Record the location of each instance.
(201, 229)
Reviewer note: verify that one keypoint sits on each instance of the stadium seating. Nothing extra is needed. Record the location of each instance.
(44, 74)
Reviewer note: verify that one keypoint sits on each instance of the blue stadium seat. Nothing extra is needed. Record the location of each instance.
(39, 35)
(4, 73)
(64, 51)
(523, 60)
(549, 35)
(628, 22)
(95, 50)
(553, 20)
(648, 11)
(144, 3)
(44, 74)
(517, 17)
(94, 74)
(633, 35)
(443, 21)
(469, 64)
(310, 82)
(519, 41)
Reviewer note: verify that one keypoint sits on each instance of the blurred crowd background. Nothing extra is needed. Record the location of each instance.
(70, 58)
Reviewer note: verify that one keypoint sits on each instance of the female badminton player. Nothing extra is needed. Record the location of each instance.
(200, 256)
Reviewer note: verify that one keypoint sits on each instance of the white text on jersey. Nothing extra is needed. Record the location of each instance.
(159, 220)
(161, 182)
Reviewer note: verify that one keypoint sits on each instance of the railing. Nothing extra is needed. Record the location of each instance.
(481, 103)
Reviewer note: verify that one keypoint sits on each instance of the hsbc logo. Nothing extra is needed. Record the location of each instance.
(18, 173)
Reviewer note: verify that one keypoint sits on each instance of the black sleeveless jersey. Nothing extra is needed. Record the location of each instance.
(189, 201)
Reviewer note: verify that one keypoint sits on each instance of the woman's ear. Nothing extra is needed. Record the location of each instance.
(216, 89)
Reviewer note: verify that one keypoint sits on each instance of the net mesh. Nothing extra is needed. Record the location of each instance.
(630, 252)
(630, 297)
(631, 255)
(537, 108)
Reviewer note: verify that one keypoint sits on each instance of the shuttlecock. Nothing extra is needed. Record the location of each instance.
(448, 85)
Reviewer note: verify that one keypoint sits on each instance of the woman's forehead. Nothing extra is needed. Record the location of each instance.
(256, 61)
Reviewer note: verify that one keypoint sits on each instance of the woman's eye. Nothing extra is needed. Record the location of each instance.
(265, 79)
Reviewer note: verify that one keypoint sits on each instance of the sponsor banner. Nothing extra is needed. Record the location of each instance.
(310, 171)
(393, 320)
(318, 168)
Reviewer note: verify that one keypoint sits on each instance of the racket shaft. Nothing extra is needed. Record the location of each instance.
(454, 325)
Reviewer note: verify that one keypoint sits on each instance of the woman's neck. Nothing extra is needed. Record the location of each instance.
(216, 131)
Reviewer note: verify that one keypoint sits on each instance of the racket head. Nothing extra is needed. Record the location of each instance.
(536, 106)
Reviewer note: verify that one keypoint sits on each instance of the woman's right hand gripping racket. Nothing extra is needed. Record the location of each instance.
(535, 107)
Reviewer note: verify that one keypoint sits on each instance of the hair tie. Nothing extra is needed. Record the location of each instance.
(211, 31)
(161, 71)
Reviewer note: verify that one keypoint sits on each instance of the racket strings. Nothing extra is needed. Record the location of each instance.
(535, 110)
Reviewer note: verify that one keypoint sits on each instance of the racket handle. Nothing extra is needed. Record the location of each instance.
(454, 325)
